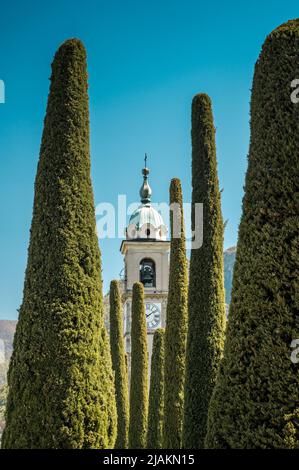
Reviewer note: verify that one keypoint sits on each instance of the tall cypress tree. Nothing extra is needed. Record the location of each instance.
(119, 366)
(255, 402)
(139, 372)
(176, 324)
(61, 389)
(206, 321)
(156, 394)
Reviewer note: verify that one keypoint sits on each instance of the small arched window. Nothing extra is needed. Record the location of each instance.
(147, 271)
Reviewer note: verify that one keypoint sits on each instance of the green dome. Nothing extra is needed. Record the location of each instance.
(145, 214)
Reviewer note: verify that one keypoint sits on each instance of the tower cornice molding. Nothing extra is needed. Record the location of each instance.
(150, 243)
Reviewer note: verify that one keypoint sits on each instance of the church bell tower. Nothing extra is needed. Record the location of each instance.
(146, 259)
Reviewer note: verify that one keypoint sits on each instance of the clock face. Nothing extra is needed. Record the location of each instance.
(153, 315)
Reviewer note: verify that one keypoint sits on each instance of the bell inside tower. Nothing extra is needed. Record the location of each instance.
(148, 273)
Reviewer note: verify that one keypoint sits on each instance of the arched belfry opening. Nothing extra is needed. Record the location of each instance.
(147, 270)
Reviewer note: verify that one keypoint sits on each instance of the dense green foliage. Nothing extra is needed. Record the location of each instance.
(255, 402)
(206, 321)
(119, 365)
(139, 372)
(176, 325)
(108, 394)
(61, 388)
(156, 394)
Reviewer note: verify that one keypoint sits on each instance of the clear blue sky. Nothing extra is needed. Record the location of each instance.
(146, 60)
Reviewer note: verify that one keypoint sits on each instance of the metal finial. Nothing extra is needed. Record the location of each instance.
(145, 190)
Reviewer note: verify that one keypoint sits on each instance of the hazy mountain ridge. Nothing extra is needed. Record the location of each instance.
(7, 331)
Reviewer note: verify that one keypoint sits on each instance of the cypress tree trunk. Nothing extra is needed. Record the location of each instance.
(139, 372)
(119, 366)
(206, 321)
(61, 390)
(255, 402)
(156, 394)
(176, 325)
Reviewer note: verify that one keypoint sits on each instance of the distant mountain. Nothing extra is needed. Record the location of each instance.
(3, 395)
(229, 261)
(7, 331)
